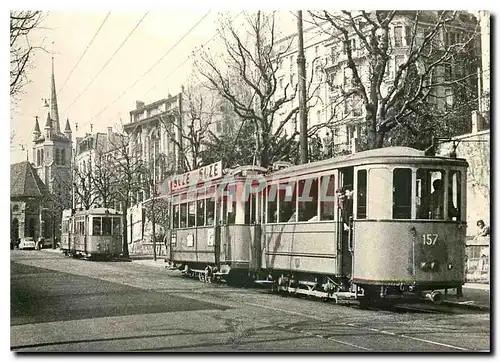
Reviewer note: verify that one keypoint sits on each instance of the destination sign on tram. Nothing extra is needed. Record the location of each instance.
(203, 174)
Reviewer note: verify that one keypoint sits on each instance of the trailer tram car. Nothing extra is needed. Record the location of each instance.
(94, 233)
(212, 231)
(378, 224)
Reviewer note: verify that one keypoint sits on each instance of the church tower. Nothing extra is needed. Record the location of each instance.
(52, 151)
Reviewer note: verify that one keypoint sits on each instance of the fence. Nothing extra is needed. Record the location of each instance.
(477, 255)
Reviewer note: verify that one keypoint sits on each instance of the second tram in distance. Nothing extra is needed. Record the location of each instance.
(93, 233)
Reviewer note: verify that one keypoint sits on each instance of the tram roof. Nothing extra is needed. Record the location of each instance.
(99, 211)
(375, 156)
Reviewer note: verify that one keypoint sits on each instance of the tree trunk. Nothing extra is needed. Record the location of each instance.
(153, 226)
(378, 140)
(124, 231)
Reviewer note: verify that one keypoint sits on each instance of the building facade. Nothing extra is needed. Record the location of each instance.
(335, 110)
(29, 201)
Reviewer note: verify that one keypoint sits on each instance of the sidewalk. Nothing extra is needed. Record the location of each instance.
(474, 296)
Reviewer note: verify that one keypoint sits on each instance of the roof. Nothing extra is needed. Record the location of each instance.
(99, 211)
(25, 182)
(378, 155)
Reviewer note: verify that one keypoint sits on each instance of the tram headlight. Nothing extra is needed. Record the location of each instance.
(450, 266)
(424, 265)
(434, 265)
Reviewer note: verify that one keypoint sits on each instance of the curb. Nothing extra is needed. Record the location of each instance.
(467, 305)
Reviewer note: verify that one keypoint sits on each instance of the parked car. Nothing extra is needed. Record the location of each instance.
(27, 243)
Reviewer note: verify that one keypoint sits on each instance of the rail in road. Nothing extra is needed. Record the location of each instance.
(229, 318)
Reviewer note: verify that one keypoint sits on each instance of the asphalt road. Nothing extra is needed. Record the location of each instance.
(63, 304)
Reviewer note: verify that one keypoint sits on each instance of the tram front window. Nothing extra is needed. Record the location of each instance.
(96, 226)
(430, 194)
(401, 193)
(106, 226)
(117, 223)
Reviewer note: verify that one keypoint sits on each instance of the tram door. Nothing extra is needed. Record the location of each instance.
(344, 223)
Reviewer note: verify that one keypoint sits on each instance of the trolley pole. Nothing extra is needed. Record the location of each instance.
(301, 62)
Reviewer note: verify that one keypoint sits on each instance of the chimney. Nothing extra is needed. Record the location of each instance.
(478, 122)
(139, 104)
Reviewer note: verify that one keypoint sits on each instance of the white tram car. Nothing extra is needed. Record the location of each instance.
(93, 233)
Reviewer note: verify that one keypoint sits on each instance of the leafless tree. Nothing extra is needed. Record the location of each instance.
(83, 185)
(102, 178)
(189, 127)
(127, 168)
(156, 207)
(22, 24)
(436, 54)
(246, 74)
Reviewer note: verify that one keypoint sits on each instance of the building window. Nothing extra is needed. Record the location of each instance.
(398, 36)
(449, 98)
(63, 157)
(408, 35)
(57, 156)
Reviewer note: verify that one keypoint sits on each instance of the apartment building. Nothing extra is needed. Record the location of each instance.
(329, 78)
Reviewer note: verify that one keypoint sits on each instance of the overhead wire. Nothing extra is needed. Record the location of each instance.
(108, 61)
(186, 60)
(85, 51)
(151, 68)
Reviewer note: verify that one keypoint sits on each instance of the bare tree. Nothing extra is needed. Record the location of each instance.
(189, 127)
(22, 23)
(400, 81)
(156, 207)
(127, 169)
(102, 178)
(248, 79)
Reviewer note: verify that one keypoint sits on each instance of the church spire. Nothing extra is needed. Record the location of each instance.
(36, 132)
(54, 113)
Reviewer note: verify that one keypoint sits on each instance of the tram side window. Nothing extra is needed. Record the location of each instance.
(210, 211)
(183, 215)
(175, 224)
(401, 193)
(328, 197)
(308, 200)
(361, 195)
(430, 194)
(455, 195)
(231, 210)
(96, 226)
(200, 213)
(106, 226)
(272, 204)
(250, 209)
(191, 214)
(287, 198)
(117, 226)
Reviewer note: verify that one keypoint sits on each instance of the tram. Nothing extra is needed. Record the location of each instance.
(375, 224)
(93, 233)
